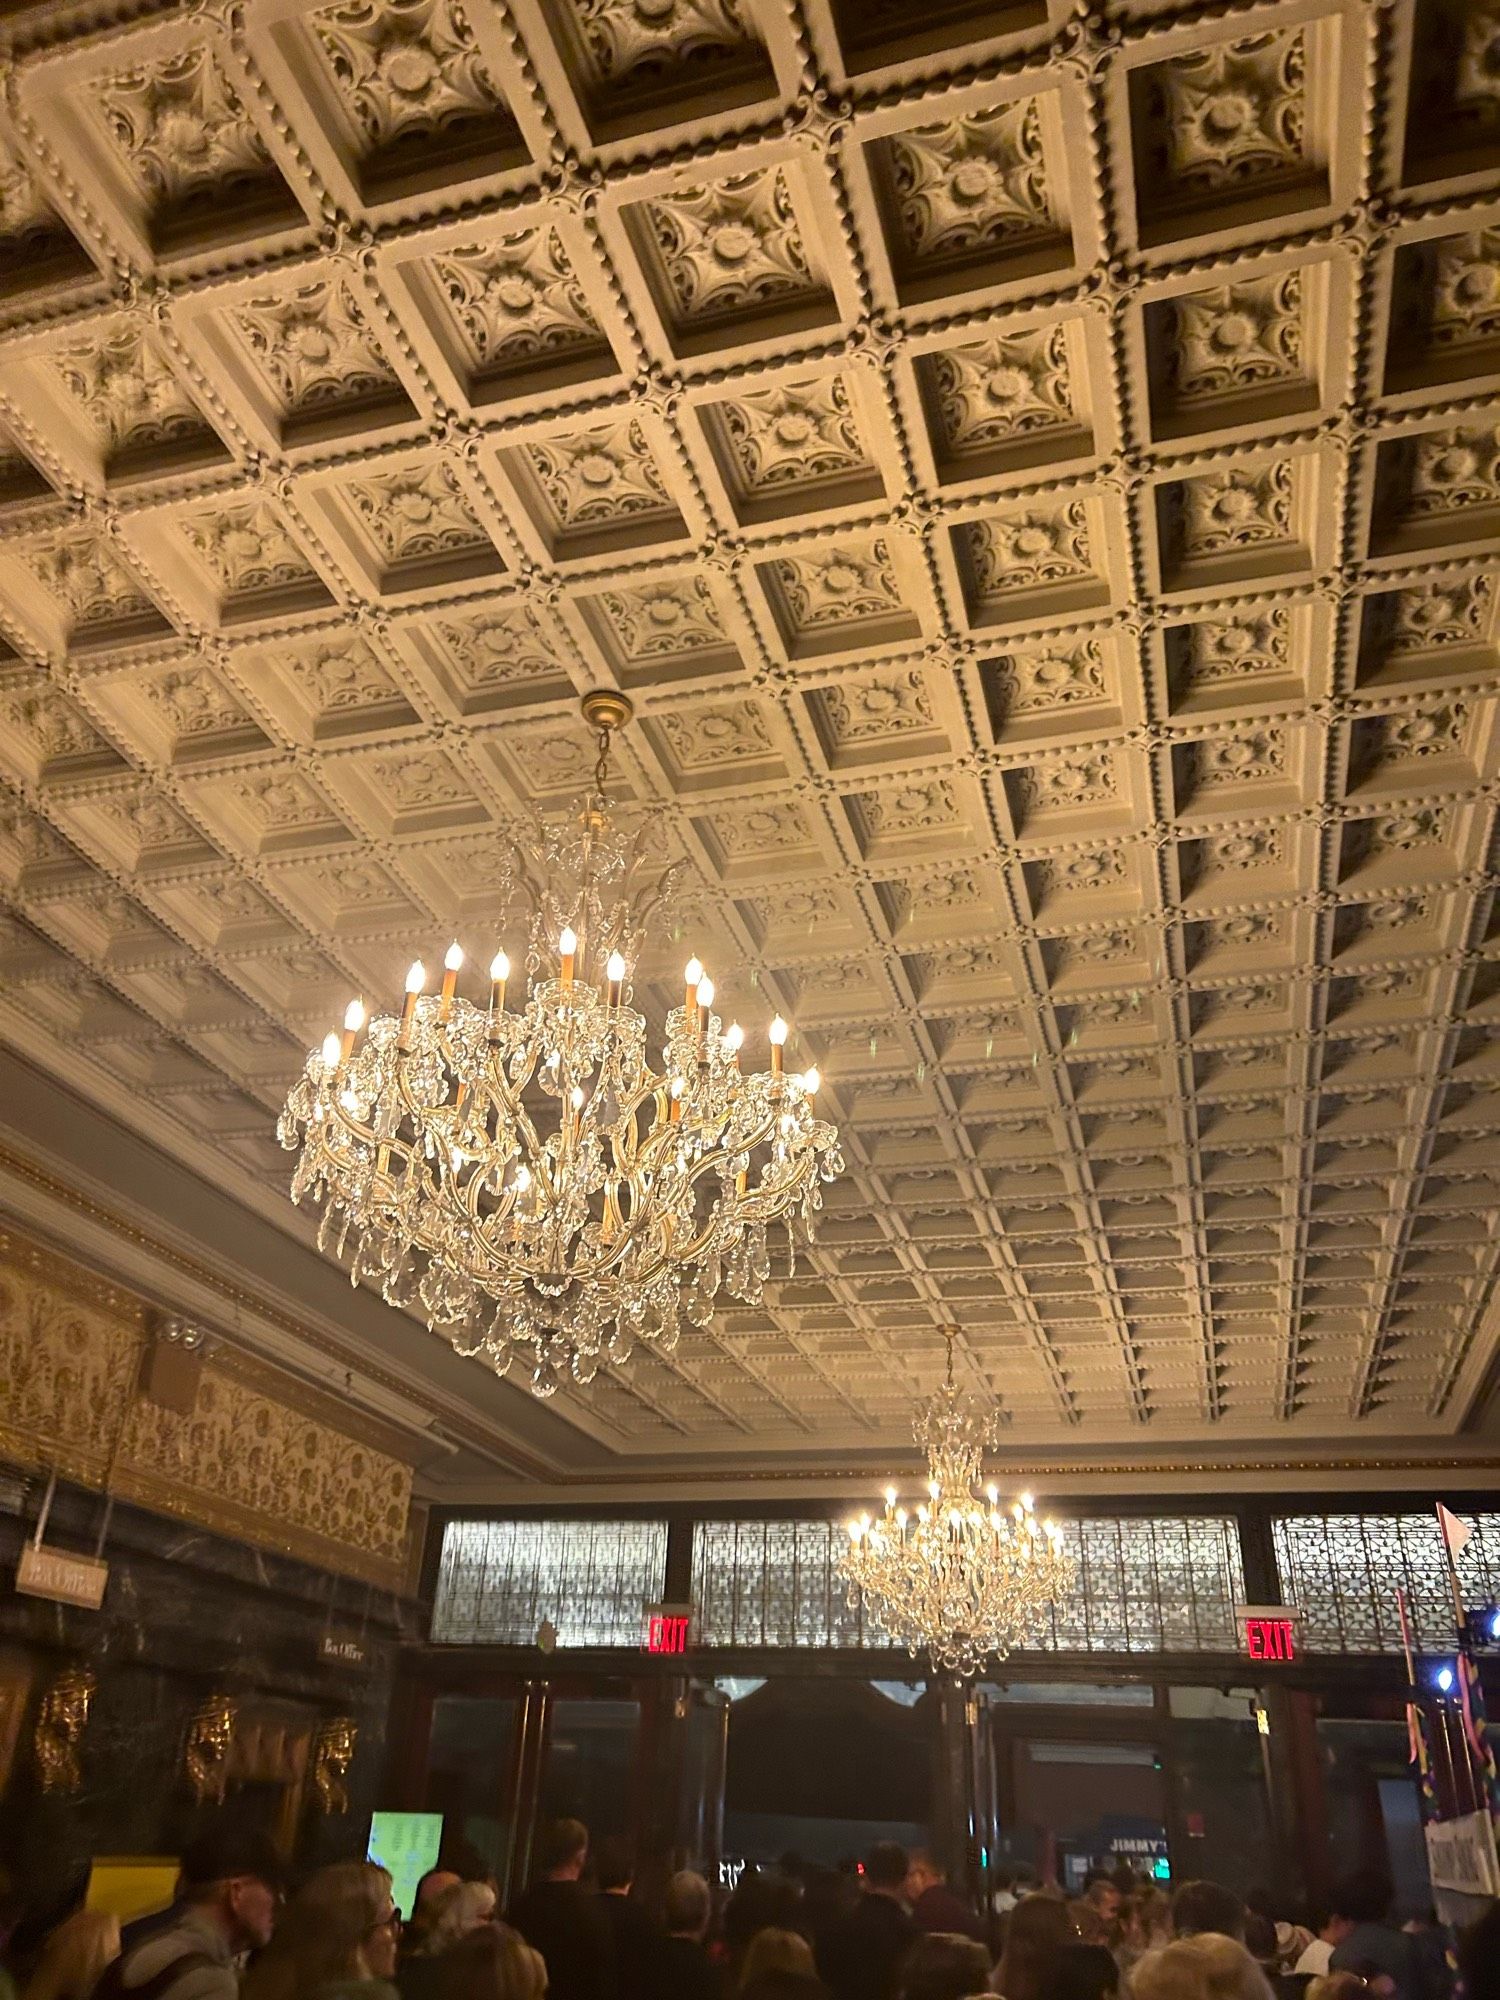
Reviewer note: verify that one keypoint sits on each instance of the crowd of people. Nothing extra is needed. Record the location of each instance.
(894, 1930)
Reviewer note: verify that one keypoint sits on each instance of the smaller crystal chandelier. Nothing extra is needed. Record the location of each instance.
(525, 1169)
(957, 1577)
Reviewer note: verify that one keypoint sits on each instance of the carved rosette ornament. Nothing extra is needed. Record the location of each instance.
(60, 1723)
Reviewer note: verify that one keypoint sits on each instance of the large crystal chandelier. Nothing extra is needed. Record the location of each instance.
(957, 1576)
(521, 1171)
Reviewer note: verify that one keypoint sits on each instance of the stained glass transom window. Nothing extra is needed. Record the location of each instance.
(499, 1581)
(1159, 1584)
(1343, 1571)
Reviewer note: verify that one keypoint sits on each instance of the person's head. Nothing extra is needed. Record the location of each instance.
(74, 1956)
(493, 1963)
(943, 1966)
(1205, 1966)
(759, 1902)
(1084, 1972)
(687, 1905)
(885, 1869)
(775, 1950)
(461, 1908)
(1260, 1938)
(923, 1871)
(1207, 1906)
(1364, 1897)
(1104, 1893)
(614, 1865)
(1037, 1931)
(784, 1986)
(564, 1850)
(1479, 1957)
(234, 1881)
(341, 1924)
(429, 1892)
(1346, 1986)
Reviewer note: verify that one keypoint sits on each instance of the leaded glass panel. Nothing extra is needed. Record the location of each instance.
(773, 1583)
(1159, 1584)
(499, 1581)
(1342, 1571)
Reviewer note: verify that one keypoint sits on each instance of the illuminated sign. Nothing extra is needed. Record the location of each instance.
(668, 1629)
(1268, 1632)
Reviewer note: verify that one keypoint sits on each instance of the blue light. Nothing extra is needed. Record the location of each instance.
(1495, 1623)
(1444, 1679)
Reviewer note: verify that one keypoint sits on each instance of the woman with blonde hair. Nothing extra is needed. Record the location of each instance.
(773, 1950)
(336, 1940)
(1207, 1966)
(74, 1957)
(493, 1962)
(1038, 1929)
(462, 1907)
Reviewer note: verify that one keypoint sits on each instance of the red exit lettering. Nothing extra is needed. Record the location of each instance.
(666, 1633)
(1270, 1639)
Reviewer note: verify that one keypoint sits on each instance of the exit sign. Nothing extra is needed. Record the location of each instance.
(667, 1628)
(1268, 1632)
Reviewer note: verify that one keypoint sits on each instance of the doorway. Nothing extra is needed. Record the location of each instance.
(820, 1769)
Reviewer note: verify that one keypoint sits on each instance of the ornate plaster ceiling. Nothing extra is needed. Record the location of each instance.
(1036, 472)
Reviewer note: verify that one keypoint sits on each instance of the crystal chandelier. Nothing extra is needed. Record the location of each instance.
(956, 1576)
(521, 1171)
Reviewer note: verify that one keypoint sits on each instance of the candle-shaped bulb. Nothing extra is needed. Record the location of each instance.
(576, 1097)
(453, 958)
(777, 1033)
(416, 979)
(1026, 1503)
(499, 967)
(734, 1038)
(616, 967)
(692, 972)
(992, 1494)
(705, 992)
(354, 1020)
(855, 1531)
(810, 1080)
(890, 1496)
(567, 946)
(331, 1051)
(523, 1179)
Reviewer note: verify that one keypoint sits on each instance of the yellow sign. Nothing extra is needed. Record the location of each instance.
(131, 1885)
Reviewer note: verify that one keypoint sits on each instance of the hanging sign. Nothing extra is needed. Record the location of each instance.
(1461, 1854)
(1268, 1631)
(667, 1628)
(343, 1649)
(66, 1579)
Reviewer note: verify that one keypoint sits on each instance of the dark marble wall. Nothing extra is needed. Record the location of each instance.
(186, 1614)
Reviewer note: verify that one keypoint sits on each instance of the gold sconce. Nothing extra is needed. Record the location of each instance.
(332, 1756)
(210, 1739)
(60, 1723)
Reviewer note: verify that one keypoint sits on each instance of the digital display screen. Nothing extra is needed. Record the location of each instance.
(406, 1845)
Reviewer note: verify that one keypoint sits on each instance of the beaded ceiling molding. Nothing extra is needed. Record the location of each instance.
(1035, 471)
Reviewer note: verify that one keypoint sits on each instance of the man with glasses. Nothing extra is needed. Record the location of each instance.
(228, 1893)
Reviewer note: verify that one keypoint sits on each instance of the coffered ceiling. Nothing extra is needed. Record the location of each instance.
(1036, 472)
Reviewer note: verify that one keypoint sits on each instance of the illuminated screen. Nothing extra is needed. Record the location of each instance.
(406, 1845)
